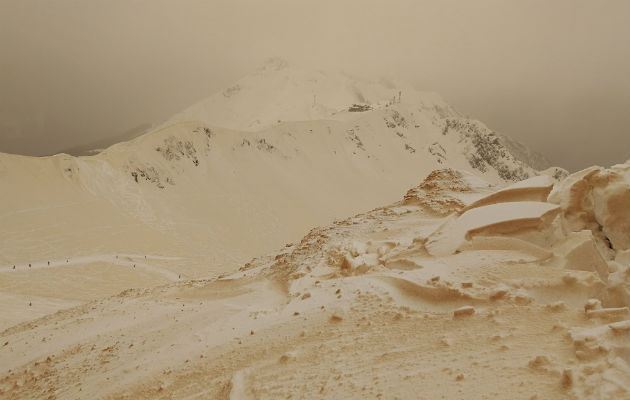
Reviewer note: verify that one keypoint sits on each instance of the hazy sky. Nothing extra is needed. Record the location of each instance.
(552, 73)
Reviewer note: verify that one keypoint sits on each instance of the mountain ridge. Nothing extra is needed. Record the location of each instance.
(214, 197)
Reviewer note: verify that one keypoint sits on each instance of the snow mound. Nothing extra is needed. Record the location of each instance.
(597, 199)
(445, 191)
(500, 218)
(532, 189)
(579, 252)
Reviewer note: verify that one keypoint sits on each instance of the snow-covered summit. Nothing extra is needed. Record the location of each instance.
(279, 92)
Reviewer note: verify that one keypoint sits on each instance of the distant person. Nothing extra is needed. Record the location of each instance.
(14, 267)
(29, 265)
(48, 262)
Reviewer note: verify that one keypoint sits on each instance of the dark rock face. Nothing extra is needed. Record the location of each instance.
(486, 149)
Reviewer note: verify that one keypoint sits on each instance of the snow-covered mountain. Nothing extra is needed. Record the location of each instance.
(241, 173)
(277, 93)
(134, 265)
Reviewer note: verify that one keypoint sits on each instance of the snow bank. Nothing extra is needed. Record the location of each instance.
(501, 218)
(597, 199)
(532, 189)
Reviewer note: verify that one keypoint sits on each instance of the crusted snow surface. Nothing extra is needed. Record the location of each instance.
(360, 308)
(447, 190)
(536, 188)
(597, 199)
(503, 217)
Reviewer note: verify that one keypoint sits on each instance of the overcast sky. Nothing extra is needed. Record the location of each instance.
(554, 74)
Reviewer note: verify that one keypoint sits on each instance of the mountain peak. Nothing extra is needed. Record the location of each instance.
(278, 92)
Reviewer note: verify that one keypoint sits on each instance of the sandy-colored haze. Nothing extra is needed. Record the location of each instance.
(547, 73)
(178, 264)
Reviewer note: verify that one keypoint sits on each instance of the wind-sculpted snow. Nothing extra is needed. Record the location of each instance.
(127, 266)
(492, 219)
(597, 199)
(532, 189)
(365, 308)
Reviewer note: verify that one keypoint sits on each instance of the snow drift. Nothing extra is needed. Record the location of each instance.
(366, 307)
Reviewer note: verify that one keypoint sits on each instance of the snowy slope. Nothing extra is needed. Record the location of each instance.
(215, 195)
(278, 92)
(453, 284)
(211, 183)
(363, 308)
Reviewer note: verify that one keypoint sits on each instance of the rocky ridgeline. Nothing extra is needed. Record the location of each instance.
(435, 193)
(486, 149)
(172, 149)
(360, 108)
(395, 121)
(437, 151)
(149, 174)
